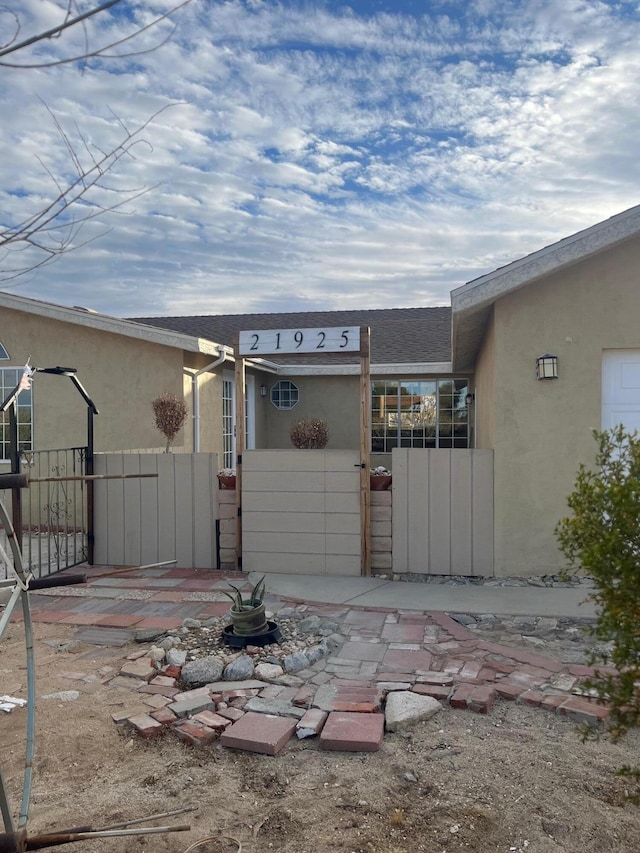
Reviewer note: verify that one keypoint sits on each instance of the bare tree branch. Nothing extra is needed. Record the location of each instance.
(54, 229)
(97, 52)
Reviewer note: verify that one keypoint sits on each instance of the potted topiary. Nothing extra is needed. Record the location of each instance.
(309, 434)
(170, 414)
(248, 613)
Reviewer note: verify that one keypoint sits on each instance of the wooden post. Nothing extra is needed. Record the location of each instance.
(365, 450)
(240, 419)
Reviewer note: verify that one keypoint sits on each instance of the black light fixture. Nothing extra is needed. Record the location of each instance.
(547, 366)
(263, 390)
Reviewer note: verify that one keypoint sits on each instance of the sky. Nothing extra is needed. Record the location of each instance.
(307, 156)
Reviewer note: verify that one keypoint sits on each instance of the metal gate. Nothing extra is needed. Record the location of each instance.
(54, 514)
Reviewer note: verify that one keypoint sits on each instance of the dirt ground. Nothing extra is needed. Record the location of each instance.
(517, 780)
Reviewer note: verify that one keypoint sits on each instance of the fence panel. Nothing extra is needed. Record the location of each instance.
(443, 512)
(301, 511)
(156, 519)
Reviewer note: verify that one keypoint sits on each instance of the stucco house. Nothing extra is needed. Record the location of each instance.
(471, 375)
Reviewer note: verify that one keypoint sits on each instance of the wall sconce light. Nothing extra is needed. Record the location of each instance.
(547, 367)
(263, 390)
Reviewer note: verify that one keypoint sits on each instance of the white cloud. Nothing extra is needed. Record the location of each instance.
(317, 158)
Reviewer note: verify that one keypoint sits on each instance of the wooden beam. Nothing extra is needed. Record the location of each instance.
(240, 381)
(365, 450)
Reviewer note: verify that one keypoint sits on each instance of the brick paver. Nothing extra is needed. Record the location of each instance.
(383, 650)
(259, 733)
(352, 732)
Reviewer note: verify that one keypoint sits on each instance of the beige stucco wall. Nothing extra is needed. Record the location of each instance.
(122, 375)
(335, 399)
(484, 414)
(543, 428)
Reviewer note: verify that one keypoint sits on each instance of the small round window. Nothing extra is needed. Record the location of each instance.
(284, 394)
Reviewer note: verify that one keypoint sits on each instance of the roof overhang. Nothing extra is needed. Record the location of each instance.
(114, 325)
(472, 303)
(400, 369)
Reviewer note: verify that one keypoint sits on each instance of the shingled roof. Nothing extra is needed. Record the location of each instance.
(398, 335)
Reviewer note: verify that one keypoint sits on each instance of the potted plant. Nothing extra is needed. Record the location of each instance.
(248, 612)
(380, 478)
(309, 434)
(227, 478)
(170, 414)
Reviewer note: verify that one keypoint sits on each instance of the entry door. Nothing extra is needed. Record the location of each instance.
(229, 417)
(621, 389)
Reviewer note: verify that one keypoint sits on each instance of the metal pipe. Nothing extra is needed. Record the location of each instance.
(90, 491)
(18, 568)
(38, 842)
(195, 395)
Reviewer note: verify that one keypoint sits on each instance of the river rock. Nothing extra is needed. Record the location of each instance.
(197, 673)
(295, 662)
(176, 657)
(402, 709)
(268, 671)
(239, 669)
(309, 625)
(316, 653)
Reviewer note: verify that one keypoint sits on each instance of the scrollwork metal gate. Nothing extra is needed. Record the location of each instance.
(54, 514)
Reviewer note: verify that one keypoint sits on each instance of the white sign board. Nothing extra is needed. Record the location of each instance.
(292, 341)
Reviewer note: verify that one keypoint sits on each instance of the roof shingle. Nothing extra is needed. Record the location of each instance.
(398, 335)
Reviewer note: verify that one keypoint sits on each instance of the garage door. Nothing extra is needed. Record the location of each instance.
(621, 389)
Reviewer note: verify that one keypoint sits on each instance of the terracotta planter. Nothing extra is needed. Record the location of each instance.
(227, 482)
(380, 482)
(248, 623)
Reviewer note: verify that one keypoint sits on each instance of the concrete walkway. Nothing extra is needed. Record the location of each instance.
(558, 602)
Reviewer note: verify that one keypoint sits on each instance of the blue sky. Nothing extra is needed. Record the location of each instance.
(322, 155)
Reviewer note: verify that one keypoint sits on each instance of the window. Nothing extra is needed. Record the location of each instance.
(284, 394)
(421, 413)
(4, 355)
(9, 378)
(228, 419)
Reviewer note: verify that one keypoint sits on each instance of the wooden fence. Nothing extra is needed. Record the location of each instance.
(169, 517)
(301, 511)
(443, 512)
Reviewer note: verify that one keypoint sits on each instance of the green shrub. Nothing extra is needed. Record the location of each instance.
(602, 537)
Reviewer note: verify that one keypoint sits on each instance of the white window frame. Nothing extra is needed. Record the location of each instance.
(5, 388)
(229, 398)
(277, 385)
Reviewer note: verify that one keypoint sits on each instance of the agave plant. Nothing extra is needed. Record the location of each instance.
(248, 603)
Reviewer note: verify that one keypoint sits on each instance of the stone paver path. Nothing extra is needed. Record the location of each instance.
(340, 696)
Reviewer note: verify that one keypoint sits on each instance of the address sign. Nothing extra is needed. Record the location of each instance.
(291, 341)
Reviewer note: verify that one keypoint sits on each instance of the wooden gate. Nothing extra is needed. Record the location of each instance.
(301, 511)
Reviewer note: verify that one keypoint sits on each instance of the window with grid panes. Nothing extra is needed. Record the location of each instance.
(426, 413)
(284, 394)
(228, 416)
(9, 378)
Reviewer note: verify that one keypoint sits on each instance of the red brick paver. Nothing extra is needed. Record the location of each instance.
(262, 733)
(352, 732)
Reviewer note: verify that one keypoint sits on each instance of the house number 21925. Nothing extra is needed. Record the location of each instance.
(286, 341)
